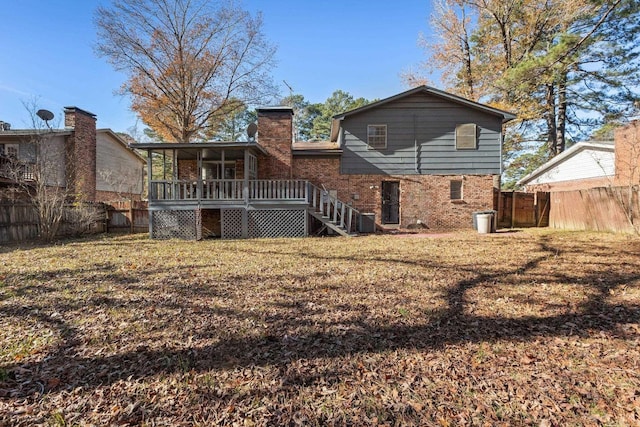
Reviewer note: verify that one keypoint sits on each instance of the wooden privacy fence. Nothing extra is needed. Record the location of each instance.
(614, 209)
(517, 209)
(19, 220)
(128, 217)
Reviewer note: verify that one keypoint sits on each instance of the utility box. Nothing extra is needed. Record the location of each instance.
(367, 223)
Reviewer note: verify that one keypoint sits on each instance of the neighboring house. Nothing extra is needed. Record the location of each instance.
(593, 185)
(420, 158)
(94, 164)
(591, 164)
(585, 165)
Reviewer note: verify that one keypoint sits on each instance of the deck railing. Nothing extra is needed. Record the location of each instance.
(263, 189)
(16, 170)
(228, 189)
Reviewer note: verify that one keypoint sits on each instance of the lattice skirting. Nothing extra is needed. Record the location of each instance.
(170, 224)
(231, 223)
(265, 223)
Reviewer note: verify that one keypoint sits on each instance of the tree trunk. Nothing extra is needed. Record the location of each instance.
(550, 118)
(562, 113)
(469, 81)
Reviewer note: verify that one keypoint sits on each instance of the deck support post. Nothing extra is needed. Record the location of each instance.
(199, 172)
(150, 196)
(245, 196)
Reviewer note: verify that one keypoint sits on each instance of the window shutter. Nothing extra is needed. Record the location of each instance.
(466, 136)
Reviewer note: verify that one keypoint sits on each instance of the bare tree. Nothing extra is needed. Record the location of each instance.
(185, 60)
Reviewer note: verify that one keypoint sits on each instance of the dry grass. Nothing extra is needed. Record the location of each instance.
(533, 328)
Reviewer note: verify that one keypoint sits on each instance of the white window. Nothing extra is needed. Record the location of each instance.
(377, 136)
(466, 136)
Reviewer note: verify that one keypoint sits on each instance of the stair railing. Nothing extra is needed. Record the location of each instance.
(332, 209)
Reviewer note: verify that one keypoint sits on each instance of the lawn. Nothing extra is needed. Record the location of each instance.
(526, 328)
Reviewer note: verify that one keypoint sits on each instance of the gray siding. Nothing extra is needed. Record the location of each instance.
(421, 139)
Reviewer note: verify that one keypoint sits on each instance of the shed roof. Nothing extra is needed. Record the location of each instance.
(315, 148)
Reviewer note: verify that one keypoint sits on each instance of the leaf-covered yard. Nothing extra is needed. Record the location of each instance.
(531, 327)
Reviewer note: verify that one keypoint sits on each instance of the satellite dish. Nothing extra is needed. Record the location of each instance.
(45, 115)
(251, 130)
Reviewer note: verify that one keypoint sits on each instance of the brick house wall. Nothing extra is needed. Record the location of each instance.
(422, 197)
(627, 140)
(188, 170)
(80, 151)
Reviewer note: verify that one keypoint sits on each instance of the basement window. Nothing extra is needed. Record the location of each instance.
(466, 136)
(377, 136)
(455, 190)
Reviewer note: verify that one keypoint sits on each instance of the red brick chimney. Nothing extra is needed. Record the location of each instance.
(81, 153)
(275, 135)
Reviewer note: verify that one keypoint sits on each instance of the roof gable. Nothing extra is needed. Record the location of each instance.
(505, 115)
(119, 140)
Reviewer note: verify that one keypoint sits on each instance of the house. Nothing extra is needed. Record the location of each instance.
(584, 165)
(95, 165)
(422, 158)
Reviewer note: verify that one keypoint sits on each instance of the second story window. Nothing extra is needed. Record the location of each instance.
(466, 136)
(377, 136)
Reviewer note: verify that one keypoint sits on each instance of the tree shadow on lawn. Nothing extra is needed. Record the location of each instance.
(452, 325)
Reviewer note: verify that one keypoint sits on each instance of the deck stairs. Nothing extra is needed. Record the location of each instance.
(333, 213)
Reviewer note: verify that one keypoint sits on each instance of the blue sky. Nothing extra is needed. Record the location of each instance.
(358, 46)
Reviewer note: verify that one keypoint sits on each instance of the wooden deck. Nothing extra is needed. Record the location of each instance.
(253, 194)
